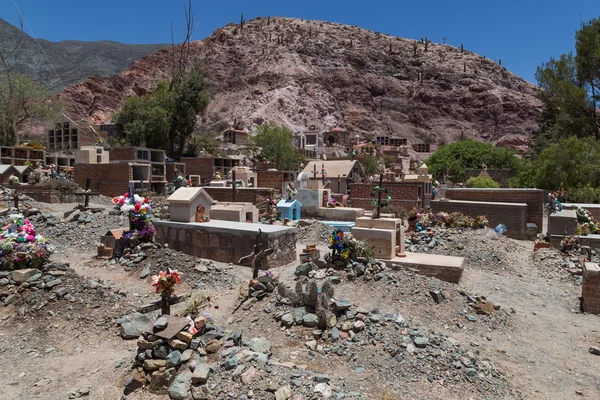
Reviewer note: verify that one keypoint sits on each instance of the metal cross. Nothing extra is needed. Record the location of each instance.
(379, 190)
(233, 183)
(164, 304)
(257, 256)
(444, 39)
(88, 182)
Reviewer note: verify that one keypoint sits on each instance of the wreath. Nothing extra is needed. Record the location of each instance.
(384, 203)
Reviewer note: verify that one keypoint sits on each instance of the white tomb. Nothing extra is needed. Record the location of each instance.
(185, 201)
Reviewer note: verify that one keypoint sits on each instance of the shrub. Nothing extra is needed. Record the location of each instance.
(482, 182)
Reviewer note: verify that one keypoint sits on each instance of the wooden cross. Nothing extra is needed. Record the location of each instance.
(88, 182)
(323, 173)
(379, 190)
(164, 304)
(15, 197)
(315, 171)
(257, 256)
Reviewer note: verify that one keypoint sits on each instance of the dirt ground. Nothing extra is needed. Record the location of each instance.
(540, 345)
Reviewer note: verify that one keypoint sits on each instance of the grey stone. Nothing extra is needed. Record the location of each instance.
(436, 295)
(57, 265)
(472, 372)
(231, 362)
(261, 345)
(341, 305)
(161, 352)
(200, 375)
(21, 275)
(359, 269)
(195, 343)
(299, 313)
(4, 282)
(186, 355)
(34, 278)
(321, 378)
(335, 334)
(594, 350)
(133, 328)
(283, 393)
(146, 271)
(180, 387)
(310, 320)
(420, 341)
(335, 279)
(161, 323)
(52, 283)
(71, 216)
(471, 318)
(173, 359)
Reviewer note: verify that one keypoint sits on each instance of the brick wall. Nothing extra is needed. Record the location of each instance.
(107, 179)
(406, 195)
(590, 290)
(170, 170)
(122, 154)
(270, 179)
(243, 195)
(512, 215)
(534, 198)
(202, 166)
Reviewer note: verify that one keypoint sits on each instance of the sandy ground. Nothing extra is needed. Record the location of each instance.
(543, 352)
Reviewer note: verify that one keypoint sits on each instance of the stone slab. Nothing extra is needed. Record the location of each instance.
(379, 223)
(562, 223)
(384, 241)
(445, 268)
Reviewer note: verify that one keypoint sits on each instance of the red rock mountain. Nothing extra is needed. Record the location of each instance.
(318, 74)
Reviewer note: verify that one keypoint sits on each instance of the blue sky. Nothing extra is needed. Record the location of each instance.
(522, 33)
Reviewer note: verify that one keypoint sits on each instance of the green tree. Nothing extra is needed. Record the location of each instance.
(453, 159)
(166, 118)
(24, 101)
(569, 163)
(482, 182)
(370, 165)
(275, 143)
(570, 91)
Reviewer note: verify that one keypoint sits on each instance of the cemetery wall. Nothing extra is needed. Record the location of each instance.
(108, 179)
(590, 290)
(225, 245)
(47, 194)
(270, 179)
(122, 154)
(243, 195)
(534, 198)
(406, 195)
(202, 166)
(512, 215)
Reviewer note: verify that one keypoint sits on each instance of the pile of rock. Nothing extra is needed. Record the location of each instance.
(412, 350)
(49, 278)
(173, 354)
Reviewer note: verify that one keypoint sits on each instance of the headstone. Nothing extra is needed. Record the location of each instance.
(385, 234)
(185, 201)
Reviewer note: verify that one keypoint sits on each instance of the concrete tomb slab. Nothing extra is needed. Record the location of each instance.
(562, 223)
(444, 268)
(387, 235)
(237, 212)
(185, 201)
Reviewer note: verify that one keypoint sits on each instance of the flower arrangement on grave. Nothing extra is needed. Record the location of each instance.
(426, 219)
(21, 247)
(165, 282)
(338, 245)
(139, 210)
(13, 180)
(586, 223)
(217, 176)
(33, 165)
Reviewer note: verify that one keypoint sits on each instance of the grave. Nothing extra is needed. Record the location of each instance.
(444, 268)
(228, 241)
(238, 212)
(185, 201)
(195, 180)
(290, 209)
(590, 290)
(387, 235)
(562, 223)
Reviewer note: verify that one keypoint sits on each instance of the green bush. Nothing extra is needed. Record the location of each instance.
(455, 158)
(482, 182)
(586, 194)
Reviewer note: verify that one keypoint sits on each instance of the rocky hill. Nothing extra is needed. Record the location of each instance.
(323, 75)
(70, 61)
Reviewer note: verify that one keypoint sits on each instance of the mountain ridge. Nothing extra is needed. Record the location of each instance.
(321, 75)
(71, 61)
